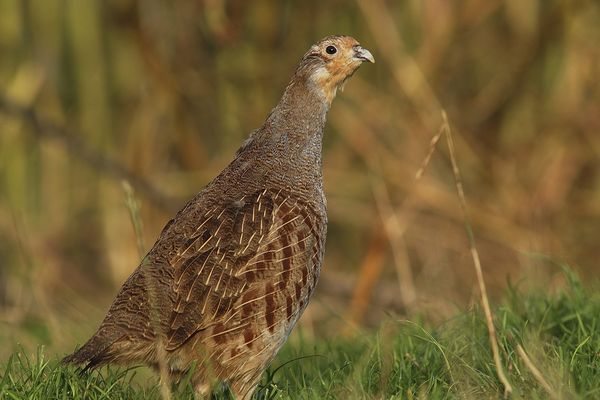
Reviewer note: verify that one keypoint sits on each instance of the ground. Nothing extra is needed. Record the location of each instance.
(402, 360)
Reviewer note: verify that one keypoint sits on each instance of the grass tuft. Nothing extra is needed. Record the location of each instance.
(550, 343)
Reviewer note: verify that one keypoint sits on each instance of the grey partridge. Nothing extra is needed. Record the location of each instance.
(232, 272)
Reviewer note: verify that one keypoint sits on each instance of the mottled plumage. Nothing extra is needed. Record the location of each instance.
(230, 275)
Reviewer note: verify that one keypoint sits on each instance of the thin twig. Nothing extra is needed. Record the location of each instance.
(476, 261)
(134, 213)
(78, 148)
(536, 372)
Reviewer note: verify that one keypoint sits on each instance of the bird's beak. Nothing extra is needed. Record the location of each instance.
(363, 54)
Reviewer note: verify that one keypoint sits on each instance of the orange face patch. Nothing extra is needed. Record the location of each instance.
(340, 63)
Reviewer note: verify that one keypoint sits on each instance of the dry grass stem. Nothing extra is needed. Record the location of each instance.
(394, 230)
(134, 213)
(475, 254)
(432, 146)
(536, 372)
(395, 225)
(394, 220)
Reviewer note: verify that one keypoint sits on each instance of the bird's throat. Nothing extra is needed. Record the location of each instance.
(300, 114)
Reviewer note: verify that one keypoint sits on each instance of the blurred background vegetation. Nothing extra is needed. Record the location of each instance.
(161, 93)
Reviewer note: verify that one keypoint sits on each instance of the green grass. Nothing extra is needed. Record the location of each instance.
(403, 360)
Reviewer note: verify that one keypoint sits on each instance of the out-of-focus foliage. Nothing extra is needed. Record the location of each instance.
(169, 89)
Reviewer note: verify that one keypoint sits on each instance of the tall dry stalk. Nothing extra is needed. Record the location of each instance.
(536, 373)
(475, 255)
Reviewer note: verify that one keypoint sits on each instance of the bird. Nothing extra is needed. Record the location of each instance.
(230, 275)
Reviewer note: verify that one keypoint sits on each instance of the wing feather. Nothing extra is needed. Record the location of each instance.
(223, 259)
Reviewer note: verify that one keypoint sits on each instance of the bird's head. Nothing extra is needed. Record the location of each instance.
(330, 62)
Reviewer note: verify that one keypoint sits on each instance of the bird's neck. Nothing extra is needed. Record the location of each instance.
(301, 112)
(287, 148)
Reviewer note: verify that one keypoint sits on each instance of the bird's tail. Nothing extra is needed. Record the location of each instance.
(96, 351)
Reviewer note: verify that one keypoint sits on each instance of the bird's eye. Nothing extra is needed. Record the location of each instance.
(331, 50)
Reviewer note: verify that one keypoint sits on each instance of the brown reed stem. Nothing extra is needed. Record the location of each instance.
(476, 261)
(536, 372)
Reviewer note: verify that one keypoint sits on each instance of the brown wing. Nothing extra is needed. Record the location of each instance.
(256, 240)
